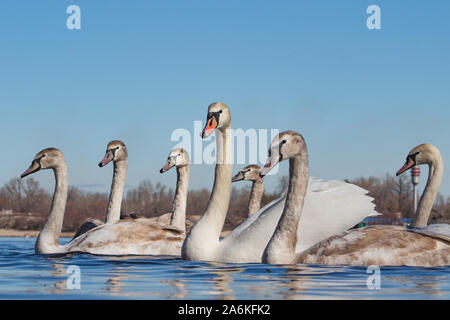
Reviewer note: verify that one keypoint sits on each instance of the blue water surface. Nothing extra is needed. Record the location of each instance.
(26, 275)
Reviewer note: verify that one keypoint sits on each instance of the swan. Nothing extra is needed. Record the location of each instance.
(421, 245)
(139, 236)
(116, 151)
(251, 173)
(331, 207)
(178, 158)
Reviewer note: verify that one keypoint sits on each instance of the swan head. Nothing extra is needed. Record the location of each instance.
(248, 173)
(285, 145)
(49, 158)
(218, 117)
(115, 151)
(425, 153)
(177, 158)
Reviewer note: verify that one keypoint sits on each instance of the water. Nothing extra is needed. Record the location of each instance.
(25, 275)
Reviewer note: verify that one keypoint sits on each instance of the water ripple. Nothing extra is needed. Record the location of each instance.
(25, 275)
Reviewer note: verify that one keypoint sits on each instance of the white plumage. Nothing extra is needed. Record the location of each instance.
(330, 207)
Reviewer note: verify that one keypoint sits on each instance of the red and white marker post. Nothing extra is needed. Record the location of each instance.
(415, 174)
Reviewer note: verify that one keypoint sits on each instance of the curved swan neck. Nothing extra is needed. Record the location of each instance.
(178, 218)
(281, 247)
(117, 187)
(203, 238)
(48, 239)
(436, 171)
(254, 203)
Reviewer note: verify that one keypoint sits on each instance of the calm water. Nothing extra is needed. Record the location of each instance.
(24, 275)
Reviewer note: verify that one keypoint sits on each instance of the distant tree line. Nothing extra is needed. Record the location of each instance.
(394, 194)
(26, 198)
(30, 203)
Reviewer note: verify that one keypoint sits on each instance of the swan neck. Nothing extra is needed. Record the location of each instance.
(117, 187)
(204, 236)
(256, 194)
(49, 236)
(178, 218)
(281, 247)
(436, 171)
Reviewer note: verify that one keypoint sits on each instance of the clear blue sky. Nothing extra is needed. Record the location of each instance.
(137, 70)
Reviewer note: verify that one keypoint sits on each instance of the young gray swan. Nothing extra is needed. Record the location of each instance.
(251, 173)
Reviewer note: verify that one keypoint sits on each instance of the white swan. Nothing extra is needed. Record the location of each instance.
(374, 245)
(251, 173)
(332, 207)
(140, 236)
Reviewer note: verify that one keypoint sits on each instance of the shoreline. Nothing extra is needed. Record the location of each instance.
(29, 233)
(34, 233)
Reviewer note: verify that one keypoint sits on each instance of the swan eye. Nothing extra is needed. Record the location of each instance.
(412, 157)
(269, 153)
(283, 141)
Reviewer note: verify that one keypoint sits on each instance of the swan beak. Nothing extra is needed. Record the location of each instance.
(109, 156)
(211, 125)
(35, 166)
(268, 166)
(408, 164)
(238, 177)
(166, 167)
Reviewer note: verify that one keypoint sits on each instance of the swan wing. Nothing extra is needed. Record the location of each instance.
(331, 207)
(138, 237)
(438, 231)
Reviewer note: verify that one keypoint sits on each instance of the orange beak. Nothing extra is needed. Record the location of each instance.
(211, 125)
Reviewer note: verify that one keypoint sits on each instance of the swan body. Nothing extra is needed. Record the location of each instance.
(374, 245)
(339, 206)
(380, 245)
(132, 237)
(88, 224)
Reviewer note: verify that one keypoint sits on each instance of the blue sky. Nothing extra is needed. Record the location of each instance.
(138, 70)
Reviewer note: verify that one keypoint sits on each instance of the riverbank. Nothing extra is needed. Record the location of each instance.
(34, 233)
(29, 233)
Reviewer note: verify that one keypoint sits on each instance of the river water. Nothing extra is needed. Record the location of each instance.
(25, 275)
